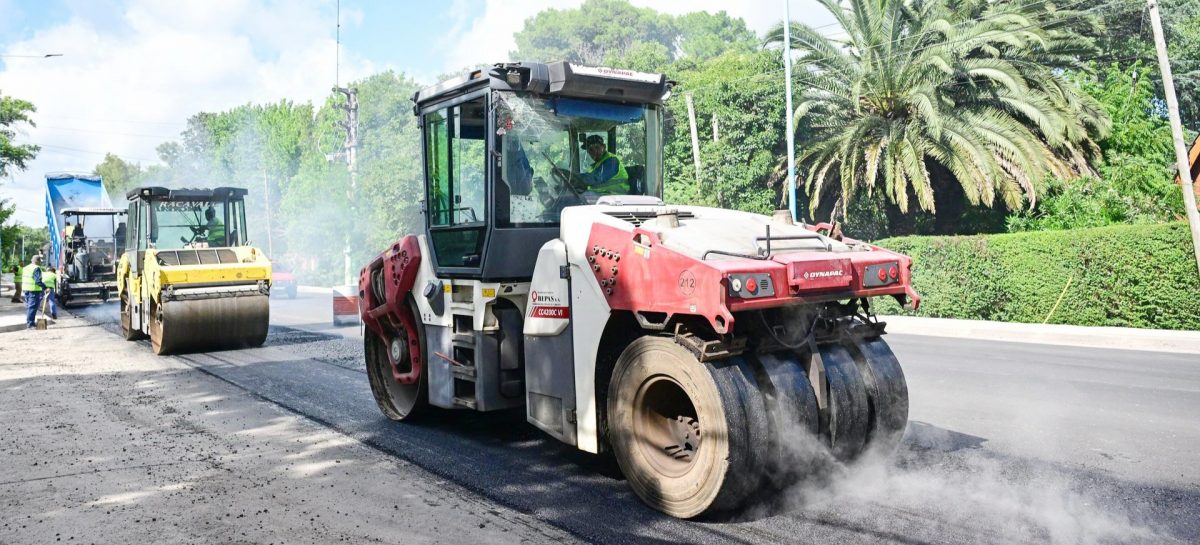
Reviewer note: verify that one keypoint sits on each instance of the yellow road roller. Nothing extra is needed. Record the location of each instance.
(188, 279)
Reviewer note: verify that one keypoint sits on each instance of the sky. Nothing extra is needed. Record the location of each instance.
(133, 71)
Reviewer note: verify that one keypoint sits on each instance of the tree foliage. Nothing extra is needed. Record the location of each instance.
(119, 176)
(13, 112)
(975, 88)
(739, 160)
(1126, 40)
(1134, 183)
(611, 31)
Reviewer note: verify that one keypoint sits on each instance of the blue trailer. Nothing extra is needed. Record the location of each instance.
(86, 236)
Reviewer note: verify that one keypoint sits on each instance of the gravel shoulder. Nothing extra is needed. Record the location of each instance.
(115, 445)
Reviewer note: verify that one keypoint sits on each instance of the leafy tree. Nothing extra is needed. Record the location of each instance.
(1136, 178)
(702, 35)
(1126, 39)
(9, 235)
(614, 32)
(119, 176)
(926, 94)
(14, 111)
(738, 169)
(592, 33)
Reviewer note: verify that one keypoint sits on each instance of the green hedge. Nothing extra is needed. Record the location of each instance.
(1129, 275)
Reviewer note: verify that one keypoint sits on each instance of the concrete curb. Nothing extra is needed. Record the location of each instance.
(9, 328)
(1121, 338)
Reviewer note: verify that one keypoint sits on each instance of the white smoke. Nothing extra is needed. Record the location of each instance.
(946, 485)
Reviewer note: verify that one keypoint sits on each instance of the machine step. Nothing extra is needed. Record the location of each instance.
(464, 402)
(463, 373)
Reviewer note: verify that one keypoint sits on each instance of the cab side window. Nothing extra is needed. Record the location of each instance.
(455, 167)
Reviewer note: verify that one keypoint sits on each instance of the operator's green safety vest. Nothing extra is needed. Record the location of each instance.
(27, 282)
(50, 279)
(618, 184)
(216, 234)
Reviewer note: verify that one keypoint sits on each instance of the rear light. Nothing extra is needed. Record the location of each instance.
(881, 274)
(751, 285)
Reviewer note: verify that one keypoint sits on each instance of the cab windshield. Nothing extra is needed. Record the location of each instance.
(197, 224)
(558, 152)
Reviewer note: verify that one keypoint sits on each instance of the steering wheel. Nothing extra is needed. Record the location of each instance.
(562, 176)
(197, 231)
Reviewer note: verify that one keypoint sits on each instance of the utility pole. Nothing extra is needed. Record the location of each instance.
(350, 152)
(267, 206)
(695, 136)
(1181, 154)
(791, 131)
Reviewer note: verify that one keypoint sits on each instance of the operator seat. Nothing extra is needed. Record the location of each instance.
(636, 184)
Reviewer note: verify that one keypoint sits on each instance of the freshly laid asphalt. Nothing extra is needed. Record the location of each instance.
(1007, 443)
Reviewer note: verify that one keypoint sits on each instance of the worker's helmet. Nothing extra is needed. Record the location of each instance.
(591, 141)
(37, 259)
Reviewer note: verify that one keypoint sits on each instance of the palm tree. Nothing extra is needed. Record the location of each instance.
(973, 89)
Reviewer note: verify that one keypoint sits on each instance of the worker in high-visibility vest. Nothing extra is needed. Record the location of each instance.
(607, 175)
(31, 280)
(50, 279)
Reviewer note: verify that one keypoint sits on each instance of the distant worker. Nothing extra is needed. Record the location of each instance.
(119, 237)
(216, 229)
(68, 231)
(16, 272)
(31, 278)
(607, 176)
(50, 279)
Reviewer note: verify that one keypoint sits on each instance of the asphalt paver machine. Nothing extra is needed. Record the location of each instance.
(188, 279)
(711, 351)
(88, 260)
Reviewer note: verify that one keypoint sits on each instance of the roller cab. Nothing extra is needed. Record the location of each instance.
(189, 280)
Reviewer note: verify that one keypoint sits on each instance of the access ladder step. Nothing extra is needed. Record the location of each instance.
(464, 402)
(463, 373)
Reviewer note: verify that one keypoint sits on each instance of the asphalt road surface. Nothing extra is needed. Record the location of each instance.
(1007, 443)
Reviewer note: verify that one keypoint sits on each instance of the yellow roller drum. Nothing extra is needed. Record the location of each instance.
(214, 323)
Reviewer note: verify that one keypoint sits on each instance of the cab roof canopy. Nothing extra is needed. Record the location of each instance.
(81, 211)
(556, 78)
(72, 176)
(186, 194)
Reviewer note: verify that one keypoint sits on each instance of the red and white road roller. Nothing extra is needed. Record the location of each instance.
(708, 350)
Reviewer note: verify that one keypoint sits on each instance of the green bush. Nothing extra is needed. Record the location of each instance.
(1129, 275)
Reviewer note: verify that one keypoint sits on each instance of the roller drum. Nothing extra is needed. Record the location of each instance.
(210, 324)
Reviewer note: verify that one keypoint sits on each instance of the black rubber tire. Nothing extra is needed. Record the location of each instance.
(796, 449)
(655, 383)
(887, 392)
(849, 407)
(127, 330)
(396, 401)
(156, 332)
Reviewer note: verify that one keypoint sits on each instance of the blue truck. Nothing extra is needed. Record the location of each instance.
(87, 236)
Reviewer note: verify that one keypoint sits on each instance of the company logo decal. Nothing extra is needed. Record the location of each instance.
(542, 297)
(823, 274)
(548, 305)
